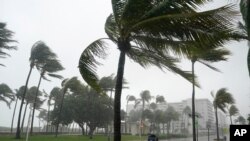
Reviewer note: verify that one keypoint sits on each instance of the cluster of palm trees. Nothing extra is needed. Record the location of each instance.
(150, 32)
(47, 64)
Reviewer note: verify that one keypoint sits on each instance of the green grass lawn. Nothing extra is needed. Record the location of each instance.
(70, 138)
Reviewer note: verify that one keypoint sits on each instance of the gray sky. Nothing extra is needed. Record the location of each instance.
(69, 26)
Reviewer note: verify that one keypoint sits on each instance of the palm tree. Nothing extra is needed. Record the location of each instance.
(52, 96)
(129, 98)
(30, 99)
(144, 97)
(145, 31)
(74, 85)
(241, 120)
(40, 52)
(6, 93)
(160, 99)
(205, 57)
(108, 83)
(18, 95)
(5, 39)
(245, 10)
(221, 99)
(233, 111)
(49, 67)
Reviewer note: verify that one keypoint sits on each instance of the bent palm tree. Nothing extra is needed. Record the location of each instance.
(5, 39)
(160, 99)
(205, 57)
(50, 67)
(146, 31)
(233, 111)
(18, 95)
(221, 99)
(40, 52)
(6, 93)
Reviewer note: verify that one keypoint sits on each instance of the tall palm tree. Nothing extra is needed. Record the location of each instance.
(52, 96)
(30, 99)
(145, 97)
(129, 98)
(18, 95)
(6, 93)
(40, 52)
(145, 31)
(245, 11)
(5, 39)
(49, 67)
(233, 111)
(221, 99)
(204, 57)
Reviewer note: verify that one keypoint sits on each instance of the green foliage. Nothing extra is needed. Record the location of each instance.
(233, 110)
(222, 98)
(241, 120)
(81, 105)
(6, 93)
(5, 40)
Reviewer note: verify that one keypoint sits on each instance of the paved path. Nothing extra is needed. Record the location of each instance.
(204, 138)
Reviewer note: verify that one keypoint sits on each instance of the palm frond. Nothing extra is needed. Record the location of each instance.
(88, 62)
(45, 78)
(198, 26)
(214, 55)
(40, 53)
(209, 65)
(112, 29)
(233, 110)
(148, 58)
(55, 75)
(222, 98)
(118, 6)
(51, 66)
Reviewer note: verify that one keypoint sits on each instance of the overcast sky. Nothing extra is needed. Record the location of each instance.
(68, 26)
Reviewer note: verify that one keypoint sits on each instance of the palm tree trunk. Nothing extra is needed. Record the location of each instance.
(18, 131)
(217, 125)
(11, 130)
(47, 126)
(24, 115)
(125, 118)
(193, 103)
(59, 116)
(117, 102)
(231, 119)
(34, 105)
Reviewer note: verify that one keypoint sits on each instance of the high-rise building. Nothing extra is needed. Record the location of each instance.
(203, 108)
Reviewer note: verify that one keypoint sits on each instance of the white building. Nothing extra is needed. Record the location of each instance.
(202, 106)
